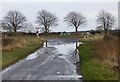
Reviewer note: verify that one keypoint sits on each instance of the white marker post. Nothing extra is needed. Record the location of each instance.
(37, 32)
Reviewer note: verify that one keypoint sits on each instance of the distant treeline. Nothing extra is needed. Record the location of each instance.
(113, 32)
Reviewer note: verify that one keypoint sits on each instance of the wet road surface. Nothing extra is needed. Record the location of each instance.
(56, 60)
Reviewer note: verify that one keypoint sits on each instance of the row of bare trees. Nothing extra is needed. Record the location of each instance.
(14, 20)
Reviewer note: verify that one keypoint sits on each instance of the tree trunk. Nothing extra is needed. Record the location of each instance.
(76, 31)
(15, 29)
(106, 31)
(45, 31)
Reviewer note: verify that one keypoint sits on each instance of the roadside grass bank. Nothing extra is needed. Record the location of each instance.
(91, 68)
(106, 50)
(18, 47)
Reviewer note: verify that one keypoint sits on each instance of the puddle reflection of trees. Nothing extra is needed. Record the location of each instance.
(71, 53)
(74, 53)
(46, 44)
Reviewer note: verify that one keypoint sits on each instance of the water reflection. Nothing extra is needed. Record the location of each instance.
(68, 50)
(46, 44)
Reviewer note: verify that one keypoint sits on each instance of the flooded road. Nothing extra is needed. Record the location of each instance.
(56, 60)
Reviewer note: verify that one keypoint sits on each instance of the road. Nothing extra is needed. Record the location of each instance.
(56, 60)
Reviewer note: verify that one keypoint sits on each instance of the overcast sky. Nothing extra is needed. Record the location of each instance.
(89, 9)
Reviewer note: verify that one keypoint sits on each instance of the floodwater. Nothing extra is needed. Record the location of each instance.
(56, 60)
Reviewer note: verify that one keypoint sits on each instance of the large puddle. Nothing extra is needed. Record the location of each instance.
(53, 52)
(66, 50)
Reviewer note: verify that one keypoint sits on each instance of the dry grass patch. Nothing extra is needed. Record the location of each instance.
(10, 43)
(17, 47)
(106, 50)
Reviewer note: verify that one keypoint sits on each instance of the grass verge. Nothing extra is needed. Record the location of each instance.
(14, 55)
(91, 68)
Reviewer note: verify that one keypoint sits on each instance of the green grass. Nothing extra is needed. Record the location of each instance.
(10, 57)
(91, 68)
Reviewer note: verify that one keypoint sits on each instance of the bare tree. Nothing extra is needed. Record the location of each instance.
(46, 19)
(13, 21)
(105, 21)
(75, 19)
